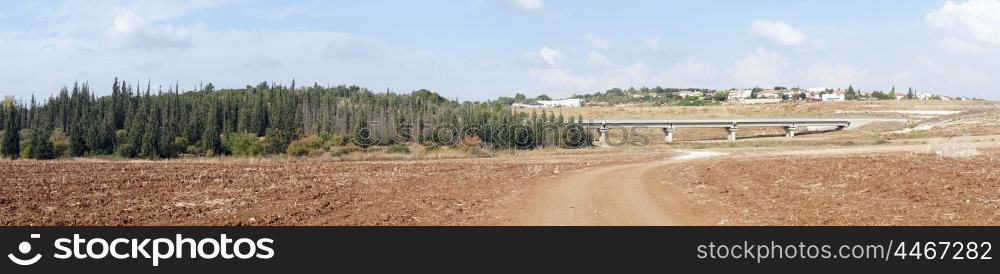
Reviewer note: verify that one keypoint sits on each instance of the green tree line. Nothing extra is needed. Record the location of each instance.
(267, 118)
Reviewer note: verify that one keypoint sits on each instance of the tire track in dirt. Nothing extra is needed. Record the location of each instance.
(617, 195)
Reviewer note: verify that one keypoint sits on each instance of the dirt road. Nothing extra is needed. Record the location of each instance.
(616, 195)
(636, 194)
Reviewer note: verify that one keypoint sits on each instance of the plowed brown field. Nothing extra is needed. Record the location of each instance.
(274, 192)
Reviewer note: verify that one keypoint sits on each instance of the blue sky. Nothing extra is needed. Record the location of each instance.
(481, 49)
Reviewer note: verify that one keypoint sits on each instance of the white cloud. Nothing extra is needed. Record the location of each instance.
(550, 56)
(651, 42)
(263, 62)
(761, 67)
(76, 16)
(147, 65)
(598, 42)
(597, 59)
(689, 74)
(637, 74)
(130, 30)
(528, 5)
(347, 46)
(976, 19)
(833, 74)
(280, 14)
(560, 78)
(778, 32)
(961, 46)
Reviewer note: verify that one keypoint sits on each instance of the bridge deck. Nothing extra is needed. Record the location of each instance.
(731, 125)
(716, 123)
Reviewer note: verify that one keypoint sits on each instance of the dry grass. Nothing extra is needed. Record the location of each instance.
(948, 148)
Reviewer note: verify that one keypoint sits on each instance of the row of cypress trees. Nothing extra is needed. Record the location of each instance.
(136, 123)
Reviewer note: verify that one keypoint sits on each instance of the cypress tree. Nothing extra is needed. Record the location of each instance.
(41, 146)
(151, 137)
(362, 134)
(211, 143)
(12, 138)
(77, 146)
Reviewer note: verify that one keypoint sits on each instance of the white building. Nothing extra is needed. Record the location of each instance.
(528, 105)
(816, 89)
(686, 94)
(769, 94)
(571, 103)
(832, 97)
(739, 94)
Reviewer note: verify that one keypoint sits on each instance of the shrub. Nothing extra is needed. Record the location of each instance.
(362, 137)
(297, 148)
(327, 139)
(324, 136)
(41, 147)
(277, 141)
(121, 134)
(175, 147)
(61, 148)
(301, 147)
(344, 151)
(25, 148)
(576, 137)
(316, 152)
(472, 141)
(61, 145)
(338, 140)
(692, 102)
(312, 142)
(431, 147)
(398, 149)
(26, 134)
(126, 150)
(193, 149)
(478, 153)
(243, 144)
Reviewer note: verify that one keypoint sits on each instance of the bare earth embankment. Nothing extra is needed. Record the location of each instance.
(895, 188)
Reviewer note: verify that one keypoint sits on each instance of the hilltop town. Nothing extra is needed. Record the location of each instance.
(743, 96)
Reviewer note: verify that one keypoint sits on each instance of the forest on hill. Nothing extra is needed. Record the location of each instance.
(264, 119)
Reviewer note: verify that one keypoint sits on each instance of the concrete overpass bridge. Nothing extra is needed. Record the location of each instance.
(731, 125)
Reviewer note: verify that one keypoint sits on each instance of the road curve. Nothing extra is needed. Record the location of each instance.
(616, 195)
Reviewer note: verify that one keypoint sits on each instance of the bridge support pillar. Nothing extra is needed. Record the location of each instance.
(669, 135)
(732, 133)
(790, 131)
(604, 136)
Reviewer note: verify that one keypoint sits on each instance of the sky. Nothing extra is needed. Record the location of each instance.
(482, 49)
